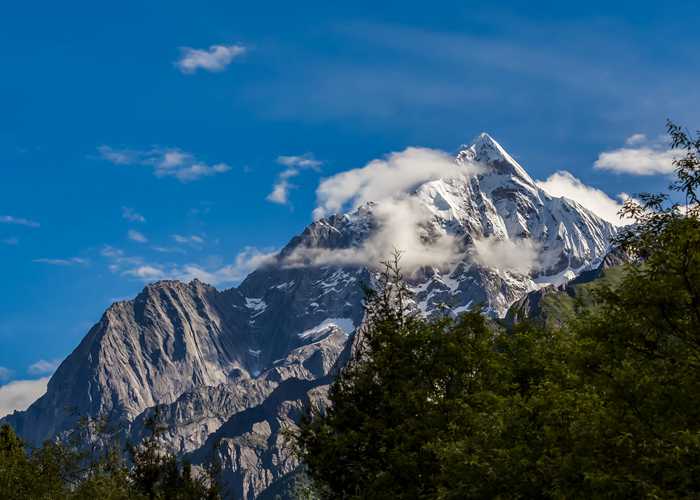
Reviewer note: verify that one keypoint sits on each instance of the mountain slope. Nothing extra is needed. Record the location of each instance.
(227, 370)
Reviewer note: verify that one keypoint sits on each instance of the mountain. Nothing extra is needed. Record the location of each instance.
(552, 306)
(227, 370)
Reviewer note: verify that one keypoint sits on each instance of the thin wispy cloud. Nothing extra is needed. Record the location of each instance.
(640, 156)
(136, 236)
(132, 215)
(191, 239)
(5, 373)
(20, 221)
(215, 59)
(73, 261)
(12, 241)
(163, 249)
(249, 259)
(165, 162)
(294, 165)
(43, 367)
(118, 259)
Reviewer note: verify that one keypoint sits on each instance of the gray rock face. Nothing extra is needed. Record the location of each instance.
(228, 370)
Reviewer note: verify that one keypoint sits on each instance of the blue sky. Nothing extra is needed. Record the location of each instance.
(125, 156)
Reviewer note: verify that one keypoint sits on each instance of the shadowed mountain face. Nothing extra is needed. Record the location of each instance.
(228, 369)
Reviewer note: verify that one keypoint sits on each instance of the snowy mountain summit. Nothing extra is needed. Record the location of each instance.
(228, 369)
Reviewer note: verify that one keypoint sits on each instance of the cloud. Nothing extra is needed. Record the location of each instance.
(306, 160)
(383, 178)
(132, 215)
(519, 256)
(19, 394)
(9, 219)
(635, 139)
(137, 236)
(564, 184)
(146, 273)
(62, 262)
(43, 366)
(163, 249)
(403, 224)
(192, 239)
(641, 157)
(216, 59)
(294, 164)
(5, 373)
(12, 240)
(165, 162)
(402, 221)
(118, 260)
(245, 262)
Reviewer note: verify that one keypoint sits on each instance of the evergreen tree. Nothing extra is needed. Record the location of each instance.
(605, 406)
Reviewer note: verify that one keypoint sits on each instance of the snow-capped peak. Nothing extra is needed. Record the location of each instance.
(486, 150)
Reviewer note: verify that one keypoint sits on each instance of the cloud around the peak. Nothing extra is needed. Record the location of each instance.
(639, 156)
(20, 394)
(384, 178)
(564, 184)
(404, 223)
(518, 256)
(214, 59)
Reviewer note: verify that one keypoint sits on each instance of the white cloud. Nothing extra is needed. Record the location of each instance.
(9, 219)
(641, 157)
(294, 164)
(306, 160)
(192, 239)
(403, 223)
(635, 139)
(564, 184)
(5, 373)
(168, 162)
(19, 394)
(519, 256)
(146, 272)
(12, 240)
(132, 215)
(384, 178)
(216, 59)
(247, 260)
(136, 236)
(43, 366)
(163, 249)
(63, 262)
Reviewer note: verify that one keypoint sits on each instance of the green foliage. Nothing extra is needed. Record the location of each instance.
(602, 406)
(60, 471)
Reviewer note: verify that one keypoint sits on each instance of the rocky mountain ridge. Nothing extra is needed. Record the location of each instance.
(227, 370)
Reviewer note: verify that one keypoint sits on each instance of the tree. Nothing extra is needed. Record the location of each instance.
(604, 406)
(65, 470)
(408, 384)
